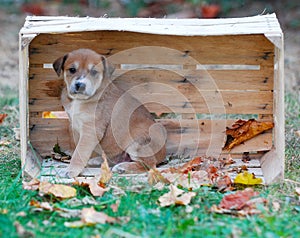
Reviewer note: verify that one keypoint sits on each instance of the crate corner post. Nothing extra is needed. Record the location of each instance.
(30, 161)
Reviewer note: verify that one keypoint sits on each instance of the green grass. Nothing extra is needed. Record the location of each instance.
(147, 219)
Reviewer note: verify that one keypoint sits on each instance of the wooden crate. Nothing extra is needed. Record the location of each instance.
(204, 71)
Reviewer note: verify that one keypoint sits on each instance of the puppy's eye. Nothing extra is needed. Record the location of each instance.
(72, 70)
(93, 72)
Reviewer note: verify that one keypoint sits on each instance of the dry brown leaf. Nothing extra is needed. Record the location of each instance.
(241, 203)
(212, 173)
(106, 173)
(31, 185)
(90, 217)
(93, 184)
(189, 166)
(58, 190)
(224, 183)
(41, 205)
(226, 161)
(173, 197)
(242, 131)
(238, 200)
(154, 177)
(2, 117)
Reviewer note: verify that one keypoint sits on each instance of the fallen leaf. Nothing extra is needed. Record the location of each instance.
(237, 200)
(3, 211)
(2, 117)
(48, 115)
(154, 177)
(241, 203)
(21, 214)
(226, 161)
(94, 186)
(114, 207)
(224, 183)
(212, 173)
(106, 173)
(4, 143)
(31, 185)
(297, 191)
(210, 10)
(276, 206)
(297, 133)
(173, 197)
(68, 213)
(189, 166)
(90, 217)
(247, 179)
(41, 205)
(58, 190)
(242, 131)
(75, 202)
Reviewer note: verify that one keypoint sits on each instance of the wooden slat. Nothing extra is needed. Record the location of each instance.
(185, 137)
(167, 100)
(237, 49)
(48, 122)
(45, 82)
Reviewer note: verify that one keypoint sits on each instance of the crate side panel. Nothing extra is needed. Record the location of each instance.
(239, 49)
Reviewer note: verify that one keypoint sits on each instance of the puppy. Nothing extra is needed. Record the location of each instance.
(102, 114)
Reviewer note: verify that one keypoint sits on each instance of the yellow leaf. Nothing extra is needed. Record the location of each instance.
(58, 190)
(106, 173)
(48, 115)
(247, 178)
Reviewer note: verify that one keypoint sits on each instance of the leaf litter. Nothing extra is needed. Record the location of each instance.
(182, 181)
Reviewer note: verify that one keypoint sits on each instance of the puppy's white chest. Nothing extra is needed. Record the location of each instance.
(80, 115)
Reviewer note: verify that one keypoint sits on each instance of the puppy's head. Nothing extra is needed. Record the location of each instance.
(84, 70)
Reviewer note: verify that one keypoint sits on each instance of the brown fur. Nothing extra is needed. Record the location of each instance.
(97, 110)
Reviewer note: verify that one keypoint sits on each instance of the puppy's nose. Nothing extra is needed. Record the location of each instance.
(80, 87)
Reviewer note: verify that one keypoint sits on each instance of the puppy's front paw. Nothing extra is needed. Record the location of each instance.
(129, 168)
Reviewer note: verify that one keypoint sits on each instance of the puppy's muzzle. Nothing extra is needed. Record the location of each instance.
(79, 87)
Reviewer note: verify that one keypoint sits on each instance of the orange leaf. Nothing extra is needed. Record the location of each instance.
(2, 117)
(242, 131)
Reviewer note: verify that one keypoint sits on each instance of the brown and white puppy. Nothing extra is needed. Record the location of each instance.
(101, 113)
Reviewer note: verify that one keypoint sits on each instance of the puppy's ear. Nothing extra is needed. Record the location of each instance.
(58, 64)
(108, 67)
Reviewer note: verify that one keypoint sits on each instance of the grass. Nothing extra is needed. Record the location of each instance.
(147, 219)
